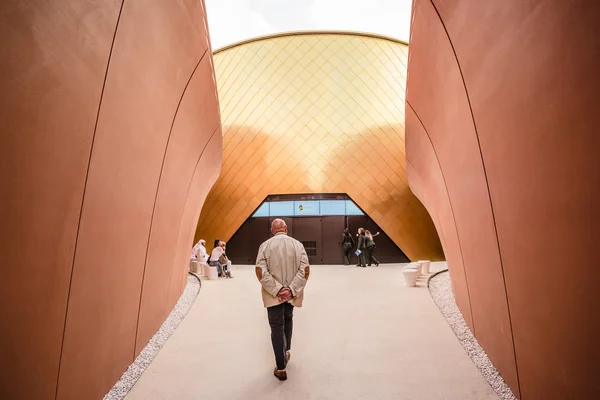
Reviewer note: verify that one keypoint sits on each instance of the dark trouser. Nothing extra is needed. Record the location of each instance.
(361, 258)
(281, 321)
(347, 252)
(370, 259)
(218, 265)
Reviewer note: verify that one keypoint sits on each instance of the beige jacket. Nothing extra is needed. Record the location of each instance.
(283, 261)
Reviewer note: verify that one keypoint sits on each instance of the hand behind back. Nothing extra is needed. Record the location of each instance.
(284, 294)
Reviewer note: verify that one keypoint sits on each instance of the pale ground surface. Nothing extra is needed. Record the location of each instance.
(360, 335)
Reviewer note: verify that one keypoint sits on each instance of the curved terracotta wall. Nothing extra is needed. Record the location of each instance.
(110, 142)
(502, 146)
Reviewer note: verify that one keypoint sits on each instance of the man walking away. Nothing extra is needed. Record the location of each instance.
(282, 269)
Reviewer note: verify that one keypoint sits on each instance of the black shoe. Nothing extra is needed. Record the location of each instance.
(280, 374)
(377, 265)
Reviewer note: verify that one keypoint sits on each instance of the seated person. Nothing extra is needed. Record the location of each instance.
(227, 266)
(219, 259)
(199, 252)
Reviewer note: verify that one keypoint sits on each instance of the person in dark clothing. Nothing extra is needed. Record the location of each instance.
(370, 244)
(347, 245)
(362, 246)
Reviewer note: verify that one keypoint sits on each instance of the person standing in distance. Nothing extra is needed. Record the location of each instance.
(282, 269)
(362, 246)
(347, 245)
(370, 243)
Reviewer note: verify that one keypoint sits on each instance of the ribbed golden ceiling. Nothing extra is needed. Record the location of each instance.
(318, 112)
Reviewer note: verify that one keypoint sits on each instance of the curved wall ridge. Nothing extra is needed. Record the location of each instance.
(112, 142)
(511, 120)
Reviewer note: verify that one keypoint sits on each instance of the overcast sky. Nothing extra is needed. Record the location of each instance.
(233, 20)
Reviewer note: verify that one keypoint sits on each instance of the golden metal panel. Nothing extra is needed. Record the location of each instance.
(300, 113)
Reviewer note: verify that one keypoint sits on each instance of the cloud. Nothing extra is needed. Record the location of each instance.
(230, 21)
(234, 20)
(386, 17)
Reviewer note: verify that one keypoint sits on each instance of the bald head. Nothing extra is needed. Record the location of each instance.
(278, 225)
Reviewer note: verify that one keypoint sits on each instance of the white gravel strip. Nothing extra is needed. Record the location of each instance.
(135, 370)
(441, 292)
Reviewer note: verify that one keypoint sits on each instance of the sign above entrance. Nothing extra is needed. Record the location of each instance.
(308, 196)
(305, 208)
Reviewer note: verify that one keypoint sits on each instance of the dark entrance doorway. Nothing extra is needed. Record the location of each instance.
(309, 230)
(319, 232)
(333, 227)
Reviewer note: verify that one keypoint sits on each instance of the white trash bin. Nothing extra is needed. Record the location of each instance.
(212, 273)
(203, 267)
(410, 276)
(195, 267)
(418, 266)
(425, 264)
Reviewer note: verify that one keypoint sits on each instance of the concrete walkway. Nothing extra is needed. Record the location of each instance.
(360, 335)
